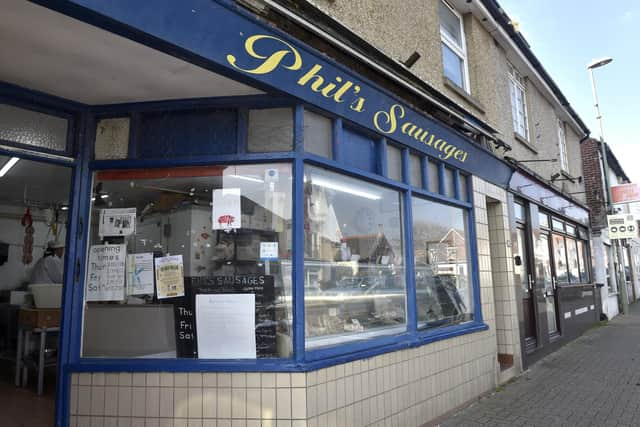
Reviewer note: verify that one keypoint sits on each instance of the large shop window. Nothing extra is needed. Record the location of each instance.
(442, 264)
(354, 269)
(190, 262)
(571, 254)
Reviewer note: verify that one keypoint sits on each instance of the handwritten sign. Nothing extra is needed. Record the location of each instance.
(106, 273)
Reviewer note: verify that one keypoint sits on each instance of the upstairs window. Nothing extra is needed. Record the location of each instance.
(562, 147)
(454, 52)
(518, 103)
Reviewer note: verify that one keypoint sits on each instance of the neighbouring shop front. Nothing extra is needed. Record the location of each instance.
(552, 264)
(254, 232)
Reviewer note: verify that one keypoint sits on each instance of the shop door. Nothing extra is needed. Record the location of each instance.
(523, 275)
(546, 276)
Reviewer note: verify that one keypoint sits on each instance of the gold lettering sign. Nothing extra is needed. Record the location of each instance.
(339, 90)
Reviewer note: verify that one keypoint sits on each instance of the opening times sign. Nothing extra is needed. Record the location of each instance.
(622, 226)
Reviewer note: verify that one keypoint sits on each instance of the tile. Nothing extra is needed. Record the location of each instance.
(180, 402)
(152, 402)
(239, 380)
(111, 400)
(253, 379)
(111, 422)
(111, 379)
(312, 401)
(84, 378)
(83, 421)
(298, 423)
(73, 400)
(195, 402)
(298, 379)
(209, 423)
(238, 423)
(84, 400)
(298, 403)
(283, 379)
(124, 401)
(312, 378)
(166, 379)
(75, 378)
(253, 403)
(224, 423)
(124, 422)
(283, 403)
(180, 422)
(194, 422)
(210, 379)
(224, 402)
(97, 400)
(238, 403)
(254, 423)
(268, 403)
(268, 379)
(124, 379)
(138, 401)
(332, 402)
(137, 422)
(194, 379)
(166, 402)
(180, 380)
(153, 379)
(139, 379)
(283, 423)
(209, 402)
(224, 379)
(97, 421)
(166, 422)
(152, 422)
(97, 378)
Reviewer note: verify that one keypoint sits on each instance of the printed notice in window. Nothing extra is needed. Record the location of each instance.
(117, 222)
(225, 326)
(169, 276)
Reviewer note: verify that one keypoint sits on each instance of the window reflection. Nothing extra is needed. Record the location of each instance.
(441, 256)
(354, 259)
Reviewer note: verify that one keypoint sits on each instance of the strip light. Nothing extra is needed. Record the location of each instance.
(344, 188)
(7, 166)
(245, 178)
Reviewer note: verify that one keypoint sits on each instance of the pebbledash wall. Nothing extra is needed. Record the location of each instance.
(407, 388)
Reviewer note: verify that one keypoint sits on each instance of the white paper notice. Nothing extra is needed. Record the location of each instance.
(117, 222)
(106, 273)
(225, 326)
(268, 251)
(226, 212)
(169, 276)
(140, 274)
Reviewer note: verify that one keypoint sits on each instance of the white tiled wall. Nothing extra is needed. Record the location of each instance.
(403, 388)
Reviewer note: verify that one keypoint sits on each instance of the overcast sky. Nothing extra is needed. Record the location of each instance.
(566, 35)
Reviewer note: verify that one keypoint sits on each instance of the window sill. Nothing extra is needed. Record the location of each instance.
(524, 142)
(464, 94)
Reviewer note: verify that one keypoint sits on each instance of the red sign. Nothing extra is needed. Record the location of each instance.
(625, 193)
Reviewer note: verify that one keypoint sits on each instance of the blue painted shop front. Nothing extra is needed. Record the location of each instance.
(319, 145)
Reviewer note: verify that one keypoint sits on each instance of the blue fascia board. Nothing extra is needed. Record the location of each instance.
(221, 36)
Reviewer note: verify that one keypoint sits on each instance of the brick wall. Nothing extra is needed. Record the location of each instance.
(592, 174)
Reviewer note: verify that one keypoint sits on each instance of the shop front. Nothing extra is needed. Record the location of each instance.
(552, 264)
(255, 233)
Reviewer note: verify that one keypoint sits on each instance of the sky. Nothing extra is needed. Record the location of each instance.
(566, 35)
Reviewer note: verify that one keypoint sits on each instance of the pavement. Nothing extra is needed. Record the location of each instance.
(592, 381)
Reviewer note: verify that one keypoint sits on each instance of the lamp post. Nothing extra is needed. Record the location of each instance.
(605, 165)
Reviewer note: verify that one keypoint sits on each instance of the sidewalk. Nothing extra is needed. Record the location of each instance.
(592, 381)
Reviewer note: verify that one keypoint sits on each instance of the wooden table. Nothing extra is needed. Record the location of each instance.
(34, 321)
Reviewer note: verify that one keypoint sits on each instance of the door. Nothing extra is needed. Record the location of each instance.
(524, 279)
(545, 276)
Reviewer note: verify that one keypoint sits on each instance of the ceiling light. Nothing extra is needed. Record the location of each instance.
(344, 188)
(245, 178)
(64, 208)
(10, 163)
(104, 196)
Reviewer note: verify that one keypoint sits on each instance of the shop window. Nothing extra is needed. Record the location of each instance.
(454, 52)
(186, 134)
(434, 177)
(354, 274)
(449, 185)
(518, 103)
(585, 261)
(416, 170)
(190, 262)
(112, 138)
(573, 269)
(560, 258)
(359, 150)
(444, 287)
(270, 130)
(394, 163)
(318, 134)
(33, 128)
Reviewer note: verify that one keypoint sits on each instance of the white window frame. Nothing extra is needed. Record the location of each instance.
(562, 147)
(459, 50)
(517, 84)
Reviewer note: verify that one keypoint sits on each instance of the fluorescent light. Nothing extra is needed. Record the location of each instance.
(10, 163)
(245, 178)
(104, 196)
(344, 188)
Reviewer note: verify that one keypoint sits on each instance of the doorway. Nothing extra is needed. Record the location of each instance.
(34, 209)
(523, 271)
(545, 274)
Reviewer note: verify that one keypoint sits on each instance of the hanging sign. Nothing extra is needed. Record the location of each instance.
(625, 193)
(622, 226)
(169, 276)
(226, 214)
(106, 273)
(117, 222)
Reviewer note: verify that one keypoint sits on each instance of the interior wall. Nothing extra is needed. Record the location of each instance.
(13, 273)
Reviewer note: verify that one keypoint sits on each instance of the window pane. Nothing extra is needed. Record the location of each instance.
(585, 262)
(453, 66)
(33, 128)
(557, 224)
(450, 24)
(464, 196)
(112, 138)
(543, 219)
(572, 257)
(521, 271)
(394, 163)
(560, 258)
(442, 265)
(318, 134)
(519, 211)
(173, 235)
(449, 189)
(571, 229)
(354, 259)
(270, 130)
(434, 180)
(416, 171)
